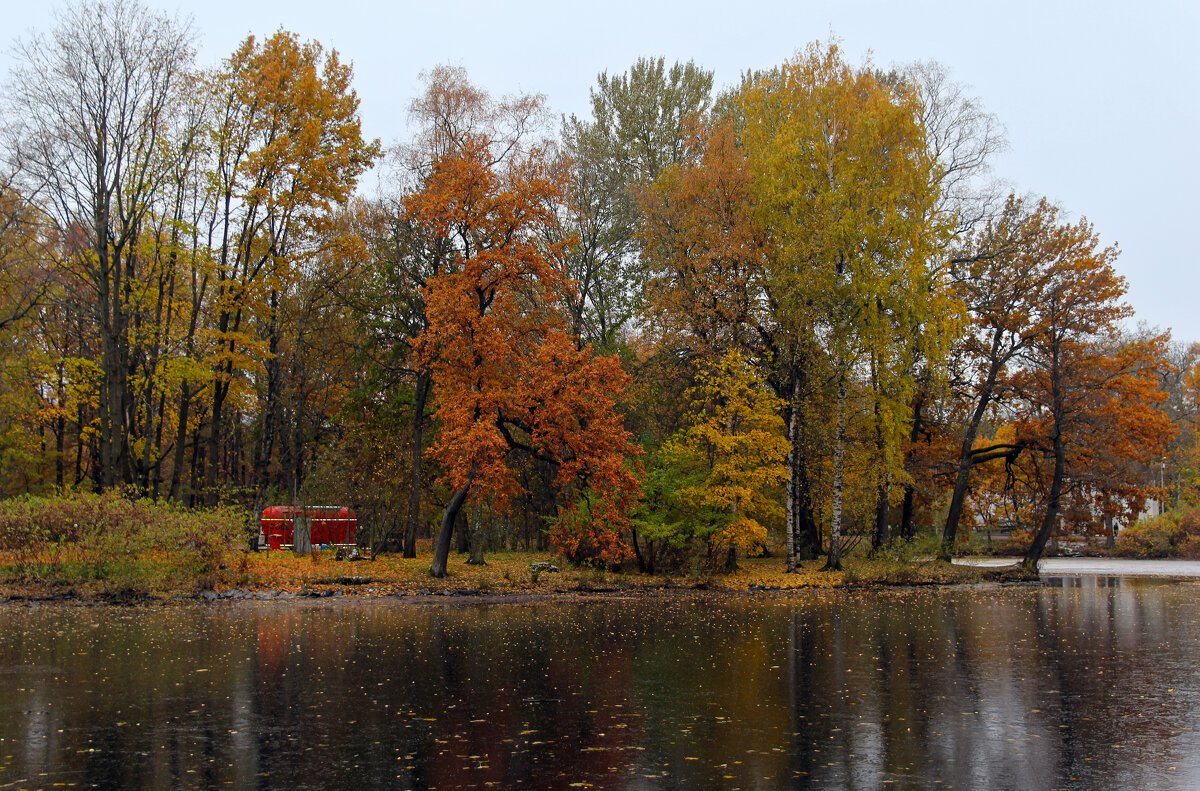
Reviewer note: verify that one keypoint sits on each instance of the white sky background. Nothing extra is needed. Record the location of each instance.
(1101, 100)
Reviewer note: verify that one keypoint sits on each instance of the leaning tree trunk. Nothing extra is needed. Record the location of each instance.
(441, 549)
(961, 480)
(965, 459)
(1034, 553)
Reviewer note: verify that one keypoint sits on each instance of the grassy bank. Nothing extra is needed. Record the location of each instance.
(158, 575)
(109, 547)
(100, 544)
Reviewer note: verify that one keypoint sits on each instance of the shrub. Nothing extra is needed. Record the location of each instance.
(1175, 534)
(108, 532)
(582, 537)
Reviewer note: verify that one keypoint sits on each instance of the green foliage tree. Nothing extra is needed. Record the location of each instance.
(642, 122)
(727, 460)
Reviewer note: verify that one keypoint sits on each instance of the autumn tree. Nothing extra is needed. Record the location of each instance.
(506, 374)
(729, 458)
(1076, 389)
(1122, 433)
(711, 288)
(705, 251)
(288, 149)
(1000, 274)
(449, 110)
(1180, 470)
(843, 179)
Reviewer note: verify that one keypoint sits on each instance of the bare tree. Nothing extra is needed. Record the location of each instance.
(90, 104)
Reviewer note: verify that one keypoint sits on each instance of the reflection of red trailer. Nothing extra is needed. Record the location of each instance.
(332, 525)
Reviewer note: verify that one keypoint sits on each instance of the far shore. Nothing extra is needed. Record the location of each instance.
(1095, 566)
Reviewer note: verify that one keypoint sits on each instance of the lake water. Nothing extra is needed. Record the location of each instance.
(1089, 682)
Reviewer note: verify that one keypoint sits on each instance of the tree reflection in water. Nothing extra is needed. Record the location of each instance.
(1086, 682)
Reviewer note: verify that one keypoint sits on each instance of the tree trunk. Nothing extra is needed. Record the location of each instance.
(195, 482)
(808, 543)
(731, 564)
(212, 482)
(908, 530)
(959, 497)
(270, 407)
(441, 549)
(637, 553)
(883, 513)
(1034, 554)
(108, 410)
(414, 483)
(790, 494)
(880, 535)
(185, 401)
(462, 539)
(60, 434)
(79, 444)
(476, 558)
(834, 562)
(805, 535)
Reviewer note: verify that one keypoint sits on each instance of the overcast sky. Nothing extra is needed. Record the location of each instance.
(1101, 100)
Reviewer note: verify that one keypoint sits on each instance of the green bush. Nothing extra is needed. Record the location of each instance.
(1175, 534)
(84, 536)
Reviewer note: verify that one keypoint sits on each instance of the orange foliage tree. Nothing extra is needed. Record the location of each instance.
(507, 376)
(1095, 416)
(1000, 275)
(1093, 409)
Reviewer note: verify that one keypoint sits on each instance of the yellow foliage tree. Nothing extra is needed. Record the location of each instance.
(731, 454)
(846, 182)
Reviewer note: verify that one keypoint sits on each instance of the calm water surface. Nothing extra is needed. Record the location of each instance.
(1085, 683)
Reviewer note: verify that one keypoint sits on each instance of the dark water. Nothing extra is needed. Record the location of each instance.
(1087, 683)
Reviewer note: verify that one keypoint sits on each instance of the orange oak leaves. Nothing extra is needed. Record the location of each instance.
(506, 374)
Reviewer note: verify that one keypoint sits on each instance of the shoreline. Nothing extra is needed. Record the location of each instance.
(439, 592)
(510, 577)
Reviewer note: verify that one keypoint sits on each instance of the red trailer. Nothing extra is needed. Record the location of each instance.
(332, 525)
